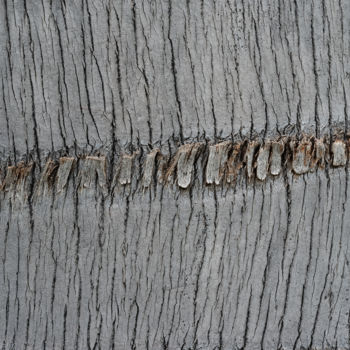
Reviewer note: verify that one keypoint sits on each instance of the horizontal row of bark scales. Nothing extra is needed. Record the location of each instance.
(222, 163)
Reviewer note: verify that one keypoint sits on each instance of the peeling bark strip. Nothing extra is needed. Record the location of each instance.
(339, 153)
(320, 154)
(181, 166)
(47, 178)
(149, 167)
(16, 177)
(277, 149)
(302, 154)
(217, 162)
(125, 169)
(16, 181)
(185, 165)
(64, 170)
(249, 158)
(93, 170)
(262, 163)
(224, 162)
(234, 164)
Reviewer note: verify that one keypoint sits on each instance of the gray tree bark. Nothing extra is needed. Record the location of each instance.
(174, 174)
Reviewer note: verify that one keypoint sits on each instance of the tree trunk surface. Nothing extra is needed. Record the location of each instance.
(174, 174)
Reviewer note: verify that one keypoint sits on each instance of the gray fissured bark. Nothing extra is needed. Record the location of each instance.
(174, 174)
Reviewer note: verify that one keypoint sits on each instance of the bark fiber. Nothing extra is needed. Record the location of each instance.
(174, 174)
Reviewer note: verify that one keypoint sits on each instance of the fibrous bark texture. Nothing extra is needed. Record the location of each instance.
(222, 162)
(174, 174)
(250, 266)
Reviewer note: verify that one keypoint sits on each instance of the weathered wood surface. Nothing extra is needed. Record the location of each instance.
(110, 73)
(248, 264)
(246, 267)
(158, 187)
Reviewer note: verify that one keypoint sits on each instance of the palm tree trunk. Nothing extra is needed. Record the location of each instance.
(174, 174)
